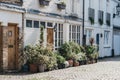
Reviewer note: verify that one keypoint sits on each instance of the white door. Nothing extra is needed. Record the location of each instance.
(117, 45)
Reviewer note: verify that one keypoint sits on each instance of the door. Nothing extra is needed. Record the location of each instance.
(1, 57)
(12, 47)
(117, 44)
(50, 36)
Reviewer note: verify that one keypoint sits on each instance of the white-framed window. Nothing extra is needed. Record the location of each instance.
(36, 24)
(74, 33)
(29, 23)
(106, 37)
(88, 33)
(58, 35)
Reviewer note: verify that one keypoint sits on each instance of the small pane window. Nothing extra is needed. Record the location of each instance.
(36, 24)
(49, 24)
(42, 24)
(29, 23)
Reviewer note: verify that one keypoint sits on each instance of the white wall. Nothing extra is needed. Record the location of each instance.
(10, 17)
(52, 8)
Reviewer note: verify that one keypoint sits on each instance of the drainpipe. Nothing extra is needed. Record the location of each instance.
(83, 36)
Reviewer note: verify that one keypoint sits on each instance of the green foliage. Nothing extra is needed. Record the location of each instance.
(91, 51)
(75, 47)
(100, 21)
(31, 54)
(60, 59)
(81, 56)
(41, 35)
(67, 49)
(91, 20)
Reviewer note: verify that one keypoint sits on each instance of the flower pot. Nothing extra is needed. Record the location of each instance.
(70, 63)
(33, 68)
(25, 68)
(41, 68)
(82, 62)
(61, 66)
(66, 64)
(76, 64)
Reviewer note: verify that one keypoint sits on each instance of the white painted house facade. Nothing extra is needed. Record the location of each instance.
(98, 24)
(116, 28)
(61, 25)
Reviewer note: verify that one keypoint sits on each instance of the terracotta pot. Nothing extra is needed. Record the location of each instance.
(70, 63)
(33, 68)
(41, 68)
(76, 63)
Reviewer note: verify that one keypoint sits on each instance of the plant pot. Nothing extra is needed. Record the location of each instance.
(66, 64)
(95, 61)
(33, 68)
(70, 63)
(41, 68)
(25, 68)
(76, 64)
(61, 66)
(82, 62)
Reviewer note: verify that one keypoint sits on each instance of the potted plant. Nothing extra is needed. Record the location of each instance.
(82, 58)
(60, 62)
(31, 58)
(61, 5)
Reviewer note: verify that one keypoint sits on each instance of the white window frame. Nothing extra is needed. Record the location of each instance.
(74, 33)
(58, 35)
(88, 33)
(106, 38)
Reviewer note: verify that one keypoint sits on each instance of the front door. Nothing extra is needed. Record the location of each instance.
(12, 47)
(50, 36)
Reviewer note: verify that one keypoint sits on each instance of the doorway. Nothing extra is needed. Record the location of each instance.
(12, 47)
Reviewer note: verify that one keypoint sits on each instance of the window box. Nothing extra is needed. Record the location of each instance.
(44, 2)
(73, 15)
(61, 5)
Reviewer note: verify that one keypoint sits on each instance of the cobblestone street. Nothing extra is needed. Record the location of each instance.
(106, 69)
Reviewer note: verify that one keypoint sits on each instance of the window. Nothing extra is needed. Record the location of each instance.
(49, 24)
(29, 23)
(88, 33)
(100, 17)
(36, 24)
(74, 33)
(58, 35)
(106, 37)
(42, 24)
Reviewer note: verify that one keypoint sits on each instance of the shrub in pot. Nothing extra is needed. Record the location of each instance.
(82, 58)
(60, 61)
(31, 56)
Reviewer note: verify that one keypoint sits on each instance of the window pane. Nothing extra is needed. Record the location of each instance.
(49, 24)
(28, 23)
(36, 24)
(42, 24)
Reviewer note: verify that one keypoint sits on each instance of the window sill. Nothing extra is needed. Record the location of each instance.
(107, 46)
